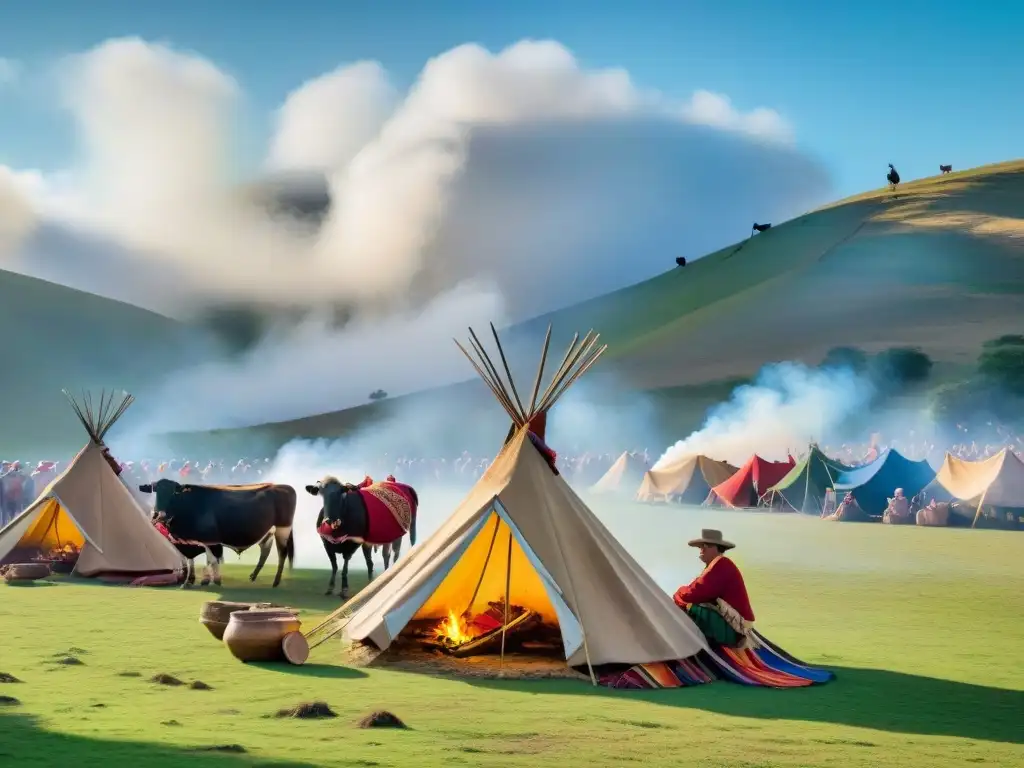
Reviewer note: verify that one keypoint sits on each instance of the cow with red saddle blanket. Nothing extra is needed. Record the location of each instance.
(371, 514)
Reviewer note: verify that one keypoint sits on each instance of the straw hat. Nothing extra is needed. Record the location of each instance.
(711, 536)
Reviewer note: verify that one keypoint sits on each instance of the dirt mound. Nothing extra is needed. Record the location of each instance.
(71, 661)
(307, 710)
(6, 678)
(236, 749)
(381, 719)
(8, 701)
(163, 679)
(199, 685)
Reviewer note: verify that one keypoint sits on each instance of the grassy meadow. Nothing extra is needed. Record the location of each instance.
(923, 628)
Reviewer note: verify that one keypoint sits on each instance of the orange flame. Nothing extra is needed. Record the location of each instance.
(454, 629)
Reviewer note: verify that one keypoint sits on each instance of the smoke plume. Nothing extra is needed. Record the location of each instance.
(519, 174)
(785, 408)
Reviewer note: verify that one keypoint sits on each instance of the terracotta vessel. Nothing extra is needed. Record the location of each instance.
(256, 635)
(216, 613)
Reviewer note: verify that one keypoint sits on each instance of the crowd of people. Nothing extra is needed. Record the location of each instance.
(21, 482)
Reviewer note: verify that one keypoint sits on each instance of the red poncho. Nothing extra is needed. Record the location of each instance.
(721, 579)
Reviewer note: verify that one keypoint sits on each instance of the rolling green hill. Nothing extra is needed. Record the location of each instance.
(938, 264)
(57, 337)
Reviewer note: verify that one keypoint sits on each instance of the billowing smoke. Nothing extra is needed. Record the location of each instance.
(785, 408)
(518, 175)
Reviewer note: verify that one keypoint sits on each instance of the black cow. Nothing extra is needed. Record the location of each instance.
(236, 517)
(347, 547)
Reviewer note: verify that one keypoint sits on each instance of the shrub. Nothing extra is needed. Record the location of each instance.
(901, 366)
(1001, 362)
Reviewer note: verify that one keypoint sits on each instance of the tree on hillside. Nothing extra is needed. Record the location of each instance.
(1001, 362)
(378, 394)
(900, 367)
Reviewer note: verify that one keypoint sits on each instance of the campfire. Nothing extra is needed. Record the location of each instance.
(61, 559)
(467, 635)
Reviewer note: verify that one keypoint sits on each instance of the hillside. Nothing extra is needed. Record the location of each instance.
(938, 264)
(57, 337)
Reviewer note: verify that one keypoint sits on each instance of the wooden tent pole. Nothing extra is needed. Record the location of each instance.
(981, 502)
(487, 561)
(508, 598)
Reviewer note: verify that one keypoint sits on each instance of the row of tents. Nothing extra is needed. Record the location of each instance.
(997, 481)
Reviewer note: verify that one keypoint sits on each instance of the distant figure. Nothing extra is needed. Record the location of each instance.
(946, 168)
(893, 177)
(680, 261)
(760, 227)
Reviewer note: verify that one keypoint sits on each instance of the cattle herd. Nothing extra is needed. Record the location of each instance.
(207, 519)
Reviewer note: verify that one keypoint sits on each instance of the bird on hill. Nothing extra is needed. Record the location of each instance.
(893, 177)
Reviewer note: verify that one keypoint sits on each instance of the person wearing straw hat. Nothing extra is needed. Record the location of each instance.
(717, 599)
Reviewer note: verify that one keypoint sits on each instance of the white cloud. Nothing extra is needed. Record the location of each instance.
(519, 169)
(324, 123)
(10, 71)
(717, 111)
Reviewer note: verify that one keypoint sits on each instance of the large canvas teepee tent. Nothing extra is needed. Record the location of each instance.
(522, 532)
(88, 506)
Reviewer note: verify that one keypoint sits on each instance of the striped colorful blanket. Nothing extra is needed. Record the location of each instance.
(763, 664)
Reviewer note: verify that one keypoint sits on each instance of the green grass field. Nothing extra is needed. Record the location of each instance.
(923, 627)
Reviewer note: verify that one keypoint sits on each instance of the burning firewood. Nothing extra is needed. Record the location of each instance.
(464, 636)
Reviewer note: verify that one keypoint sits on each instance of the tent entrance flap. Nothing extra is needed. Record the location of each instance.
(50, 529)
(497, 564)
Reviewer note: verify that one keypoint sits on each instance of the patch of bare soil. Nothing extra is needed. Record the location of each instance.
(410, 656)
(71, 661)
(169, 680)
(381, 719)
(8, 701)
(170, 723)
(7, 678)
(307, 710)
(129, 674)
(236, 749)
(199, 685)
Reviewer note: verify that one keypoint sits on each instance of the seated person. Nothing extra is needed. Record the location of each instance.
(849, 511)
(898, 511)
(717, 599)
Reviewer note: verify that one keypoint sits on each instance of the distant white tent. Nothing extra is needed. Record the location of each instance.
(88, 506)
(522, 532)
(622, 476)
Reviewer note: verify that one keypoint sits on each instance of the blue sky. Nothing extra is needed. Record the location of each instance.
(867, 83)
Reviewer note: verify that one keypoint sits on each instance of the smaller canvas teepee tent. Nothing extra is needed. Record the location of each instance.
(623, 475)
(687, 481)
(88, 506)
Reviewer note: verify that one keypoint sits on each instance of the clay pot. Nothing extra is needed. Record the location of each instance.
(26, 572)
(256, 635)
(216, 613)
